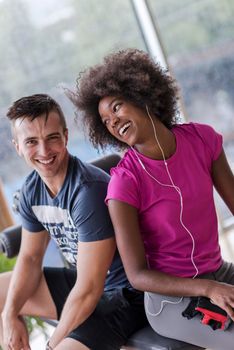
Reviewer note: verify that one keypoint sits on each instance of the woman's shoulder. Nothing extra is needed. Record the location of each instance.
(193, 127)
(202, 130)
(201, 134)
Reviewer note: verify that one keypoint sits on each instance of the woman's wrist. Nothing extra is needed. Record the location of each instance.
(208, 288)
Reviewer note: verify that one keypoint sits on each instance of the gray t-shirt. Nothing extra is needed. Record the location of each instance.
(77, 213)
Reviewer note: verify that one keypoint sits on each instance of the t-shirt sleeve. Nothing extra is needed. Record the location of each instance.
(28, 219)
(91, 215)
(212, 140)
(123, 187)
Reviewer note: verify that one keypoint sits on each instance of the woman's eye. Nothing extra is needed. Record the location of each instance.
(105, 122)
(116, 107)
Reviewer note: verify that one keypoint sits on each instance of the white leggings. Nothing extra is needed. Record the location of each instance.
(170, 323)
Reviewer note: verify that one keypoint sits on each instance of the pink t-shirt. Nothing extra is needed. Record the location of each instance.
(167, 244)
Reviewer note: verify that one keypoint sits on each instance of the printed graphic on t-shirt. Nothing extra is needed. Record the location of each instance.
(59, 224)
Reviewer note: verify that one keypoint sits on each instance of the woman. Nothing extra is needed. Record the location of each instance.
(160, 196)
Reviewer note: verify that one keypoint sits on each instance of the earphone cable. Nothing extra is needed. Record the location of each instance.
(172, 185)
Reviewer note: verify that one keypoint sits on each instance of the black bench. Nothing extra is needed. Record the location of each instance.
(144, 339)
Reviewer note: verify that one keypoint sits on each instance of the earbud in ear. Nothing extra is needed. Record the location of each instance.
(147, 109)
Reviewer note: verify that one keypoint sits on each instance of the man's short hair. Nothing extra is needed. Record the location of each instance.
(35, 106)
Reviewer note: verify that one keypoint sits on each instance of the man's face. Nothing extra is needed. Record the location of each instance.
(43, 145)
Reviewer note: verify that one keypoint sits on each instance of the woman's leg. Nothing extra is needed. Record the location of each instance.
(170, 323)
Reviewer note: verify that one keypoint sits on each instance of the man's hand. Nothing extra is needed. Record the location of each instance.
(15, 334)
(48, 347)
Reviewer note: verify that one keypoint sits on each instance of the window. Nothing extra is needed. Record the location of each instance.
(44, 45)
(198, 37)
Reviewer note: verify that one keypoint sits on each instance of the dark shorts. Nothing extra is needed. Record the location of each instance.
(118, 315)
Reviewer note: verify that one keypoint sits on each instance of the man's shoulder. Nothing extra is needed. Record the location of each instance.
(31, 181)
(31, 189)
(84, 172)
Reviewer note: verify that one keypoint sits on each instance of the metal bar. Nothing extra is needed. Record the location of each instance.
(151, 36)
(149, 31)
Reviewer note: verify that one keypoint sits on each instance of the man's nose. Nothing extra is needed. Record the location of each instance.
(43, 148)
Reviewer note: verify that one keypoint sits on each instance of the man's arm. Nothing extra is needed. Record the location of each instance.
(94, 259)
(24, 282)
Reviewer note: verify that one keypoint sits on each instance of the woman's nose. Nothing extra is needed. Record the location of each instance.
(114, 121)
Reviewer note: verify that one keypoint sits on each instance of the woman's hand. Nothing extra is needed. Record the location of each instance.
(222, 294)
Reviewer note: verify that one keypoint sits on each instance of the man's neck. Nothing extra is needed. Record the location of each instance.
(55, 183)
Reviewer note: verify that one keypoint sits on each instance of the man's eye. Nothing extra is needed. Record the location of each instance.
(30, 142)
(53, 138)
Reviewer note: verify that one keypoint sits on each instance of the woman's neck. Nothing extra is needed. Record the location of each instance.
(166, 140)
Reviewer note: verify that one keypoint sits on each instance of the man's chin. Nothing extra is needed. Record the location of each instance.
(46, 174)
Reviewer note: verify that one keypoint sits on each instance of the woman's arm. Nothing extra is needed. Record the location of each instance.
(223, 180)
(131, 248)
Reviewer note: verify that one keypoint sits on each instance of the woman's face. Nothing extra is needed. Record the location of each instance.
(125, 121)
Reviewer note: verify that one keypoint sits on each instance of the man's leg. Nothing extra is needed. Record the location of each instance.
(39, 304)
(70, 344)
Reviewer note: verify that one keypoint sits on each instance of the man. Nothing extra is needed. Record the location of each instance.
(63, 199)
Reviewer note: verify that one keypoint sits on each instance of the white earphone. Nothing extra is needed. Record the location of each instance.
(181, 213)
